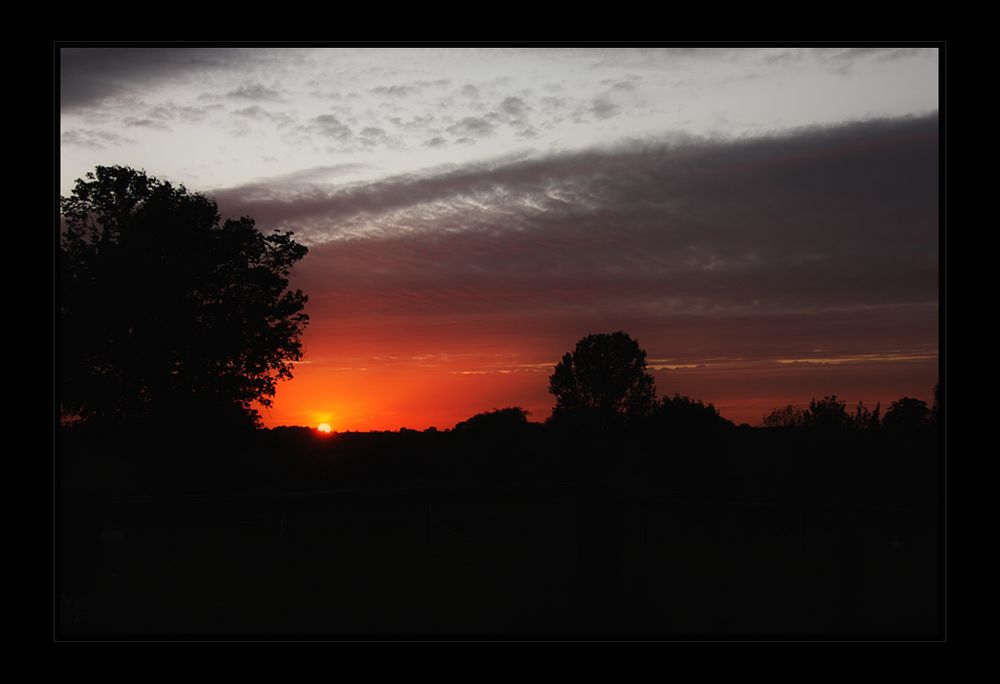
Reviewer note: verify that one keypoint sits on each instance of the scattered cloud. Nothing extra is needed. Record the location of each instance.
(93, 139)
(414, 124)
(604, 108)
(843, 60)
(395, 91)
(437, 83)
(401, 90)
(781, 55)
(256, 92)
(372, 136)
(258, 113)
(145, 122)
(254, 112)
(515, 111)
(183, 113)
(472, 127)
(329, 126)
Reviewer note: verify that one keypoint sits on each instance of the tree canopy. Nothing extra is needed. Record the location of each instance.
(828, 413)
(686, 414)
(907, 413)
(604, 378)
(164, 308)
(784, 417)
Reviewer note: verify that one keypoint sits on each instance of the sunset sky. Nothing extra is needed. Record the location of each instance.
(764, 222)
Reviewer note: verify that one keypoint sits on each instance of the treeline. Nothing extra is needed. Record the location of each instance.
(831, 413)
(684, 449)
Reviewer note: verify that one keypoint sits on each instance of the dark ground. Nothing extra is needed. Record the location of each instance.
(761, 534)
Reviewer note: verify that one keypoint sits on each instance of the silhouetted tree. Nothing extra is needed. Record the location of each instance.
(785, 416)
(865, 419)
(827, 414)
(165, 310)
(604, 380)
(906, 413)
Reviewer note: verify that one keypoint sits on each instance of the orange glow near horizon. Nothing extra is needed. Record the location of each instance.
(401, 383)
(391, 399)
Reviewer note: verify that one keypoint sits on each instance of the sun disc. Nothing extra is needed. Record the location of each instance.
(323, 427)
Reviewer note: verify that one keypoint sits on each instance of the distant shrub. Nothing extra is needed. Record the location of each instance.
(497, 421)
(685, 413)
(829, 413)
(783, 417)
(907, 413)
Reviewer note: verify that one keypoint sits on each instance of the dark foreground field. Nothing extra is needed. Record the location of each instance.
(738, 543)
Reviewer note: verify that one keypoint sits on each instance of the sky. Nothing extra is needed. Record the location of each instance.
(764, 221)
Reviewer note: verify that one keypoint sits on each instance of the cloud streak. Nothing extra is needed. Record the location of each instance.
(93, 139)
(822, 219)
(255, 92)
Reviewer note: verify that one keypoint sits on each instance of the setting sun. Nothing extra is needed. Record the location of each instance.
(323, 427)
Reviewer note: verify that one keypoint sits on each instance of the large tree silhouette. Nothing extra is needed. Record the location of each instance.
(604, 379)
(163, 309)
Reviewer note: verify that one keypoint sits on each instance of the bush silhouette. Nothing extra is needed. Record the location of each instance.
(906, 413)
(784, 417)
(687, 414)
(498, 422)
(163, 309)
(829, 413)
